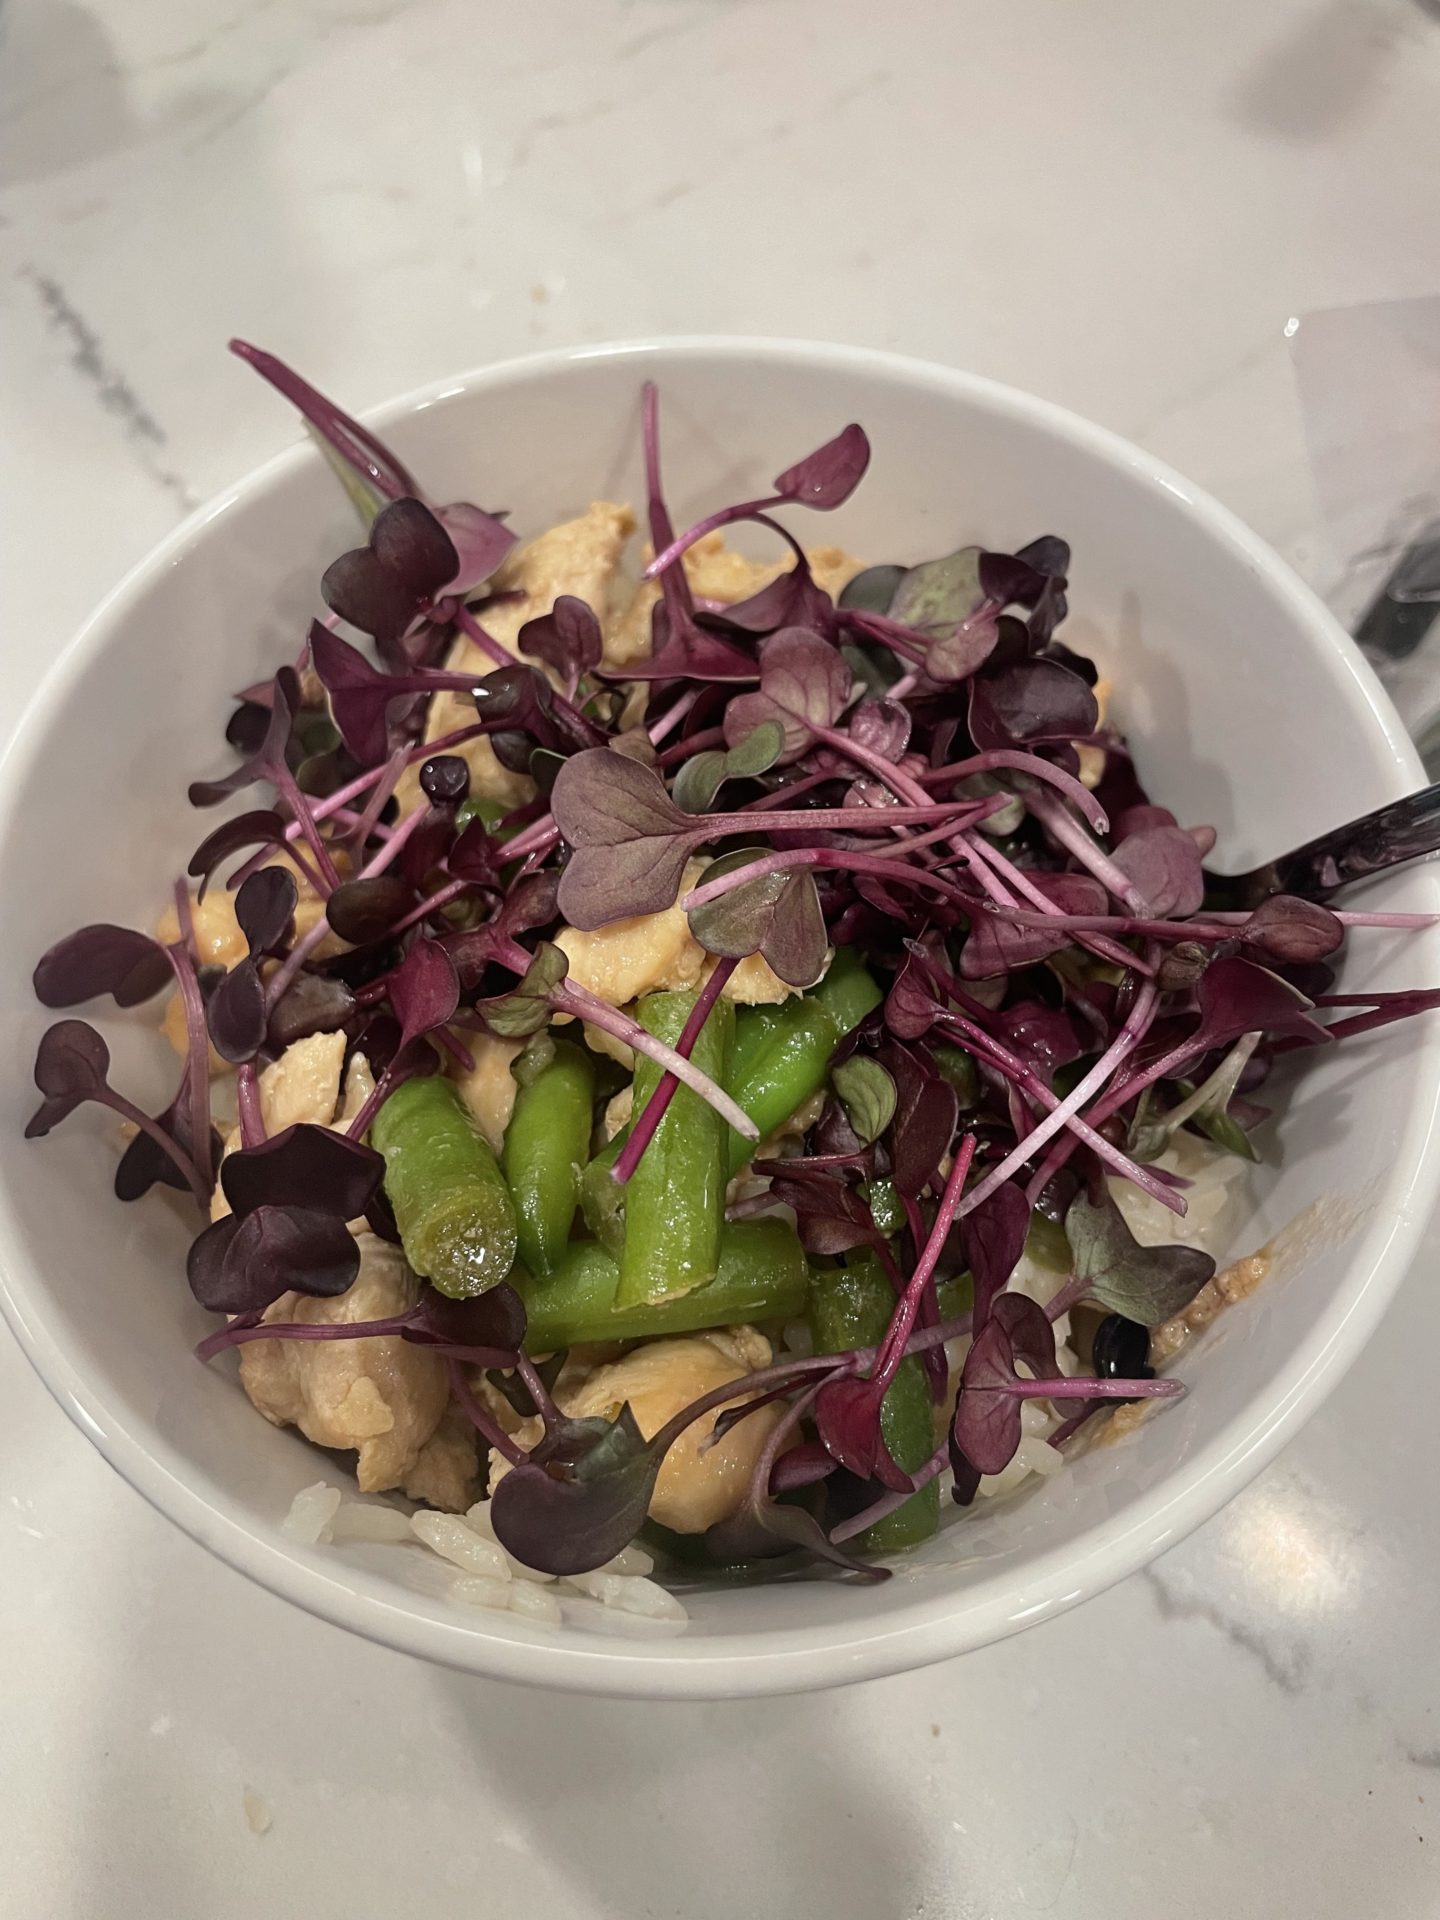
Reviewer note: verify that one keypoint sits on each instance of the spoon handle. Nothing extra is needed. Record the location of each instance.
(1404, 830)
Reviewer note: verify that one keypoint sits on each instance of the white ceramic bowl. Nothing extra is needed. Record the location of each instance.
(1247, 705)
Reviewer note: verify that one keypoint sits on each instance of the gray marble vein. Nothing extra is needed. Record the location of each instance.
(142, 432)
(1287, 1670)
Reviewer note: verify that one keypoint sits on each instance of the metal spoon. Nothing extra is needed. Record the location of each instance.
(1405, 830)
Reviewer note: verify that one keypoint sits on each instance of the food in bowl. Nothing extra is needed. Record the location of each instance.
(711, 1057)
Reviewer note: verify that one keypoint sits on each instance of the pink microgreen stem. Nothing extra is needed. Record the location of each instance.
(247, 1101)
(484, 1424)
(197, 1064)
(724, 517)
(643, 1131)
(902, 1324)
(1069, 834)
(1002, 759)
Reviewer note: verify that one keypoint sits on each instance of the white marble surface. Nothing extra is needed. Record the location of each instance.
(1117, 203)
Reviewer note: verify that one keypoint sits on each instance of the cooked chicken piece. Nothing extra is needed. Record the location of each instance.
(618, 1111)
(382, 1396)
(599, 1041)
(220, 943)
(447, 1468)
(716, 572)
(1092, 759)
(652, 953)
(577, 557)
(488, 1090)
(303, 1086)
(656, 953)
(695, 1489)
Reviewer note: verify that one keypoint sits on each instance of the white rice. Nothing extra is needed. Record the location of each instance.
(449, 1536)
(493, 1579)
(362, 1520)
(311, 1512)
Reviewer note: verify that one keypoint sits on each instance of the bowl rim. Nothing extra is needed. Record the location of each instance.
(771, 1660)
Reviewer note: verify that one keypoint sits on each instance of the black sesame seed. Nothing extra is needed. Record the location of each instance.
(445, 778)
(1121, 1350)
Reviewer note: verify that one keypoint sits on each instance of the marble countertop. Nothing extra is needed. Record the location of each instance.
(1119, 205)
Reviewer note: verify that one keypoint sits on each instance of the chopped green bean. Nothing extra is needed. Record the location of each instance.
(761, 1275)
(546, 1144)
(453, 1209)
(851, 1307)
(782, 1054)
(675, 1199)
(603, 1202)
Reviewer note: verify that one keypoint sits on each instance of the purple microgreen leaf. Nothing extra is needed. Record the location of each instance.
(987, 1425)
(304, 1166)
(996, 945)
(1030, 702)
(481, 542)
(1236, 997)
(830, 1216)
(243, 1263)
(235, 1014)
(526, 1008)
(360, 695)
(356, 446)
(72, 1066)
(791, 599)
(495, 1318)
(519, 699)
(268, 760)
(1163, 864)
(1287, 929)
(265, 909)
(927, 1111)
(146, 1162)
(993, 1237)
(626, 834)
(1043, 1037)
(777, 914)
(101, 959)
(826, 478)
(581, 1496)
(756, 751)
(698, 780)
(873, 589)
(311, 1004)
(362, 911)
(424, 990)
(881, 727)
(796, 945)
(259, 828)
(765, 1528)
(1030, 1332)
(804, 681)
(1148, 1284)
(567, 639)
(385, 587)
(868, 1094)
(937, 595)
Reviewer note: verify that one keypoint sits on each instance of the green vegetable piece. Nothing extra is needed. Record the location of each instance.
(851, 1307)
(601, 1201)
(761, 1275)
(782, 1054)
(546, 1144)
(956, 1066)
(887, 1206)
(453, 1209)
(675, 1203)
(1046, 1243)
